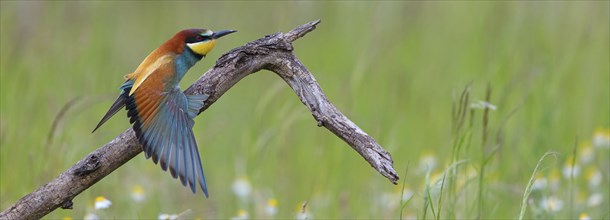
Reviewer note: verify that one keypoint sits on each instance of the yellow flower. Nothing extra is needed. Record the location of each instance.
(584, 216)
(540, 182)
(271, 207)
(594, 177)
(302, 212)
(554, 180)
(102, 203)
(586, 154)
(241, 214)
(569, 168)
(601, 138)
(137, 193)
(580, 197)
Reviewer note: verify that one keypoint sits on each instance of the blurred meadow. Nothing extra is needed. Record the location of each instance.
(466, 96)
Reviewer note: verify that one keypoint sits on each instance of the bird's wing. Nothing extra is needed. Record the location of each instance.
(154, 64)
(163, 122)
(118, 104)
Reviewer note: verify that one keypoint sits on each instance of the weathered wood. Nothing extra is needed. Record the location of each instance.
(272, 52)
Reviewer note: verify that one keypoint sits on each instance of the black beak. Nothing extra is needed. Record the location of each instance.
(219, 34)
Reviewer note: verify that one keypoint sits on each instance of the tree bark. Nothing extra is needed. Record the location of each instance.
(272, 52)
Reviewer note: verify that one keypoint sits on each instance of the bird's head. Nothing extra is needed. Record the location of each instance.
(201, 41)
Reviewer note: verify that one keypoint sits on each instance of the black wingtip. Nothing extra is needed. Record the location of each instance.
(116, 106)
(99, 124)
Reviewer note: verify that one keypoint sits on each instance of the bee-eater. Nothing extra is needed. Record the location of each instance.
(161, 114)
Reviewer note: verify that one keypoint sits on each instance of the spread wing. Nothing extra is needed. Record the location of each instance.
(163, 122)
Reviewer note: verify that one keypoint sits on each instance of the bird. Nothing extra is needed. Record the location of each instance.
(160, 113)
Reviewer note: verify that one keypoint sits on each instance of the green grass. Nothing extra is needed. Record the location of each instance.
(530, 183)
(397, 69)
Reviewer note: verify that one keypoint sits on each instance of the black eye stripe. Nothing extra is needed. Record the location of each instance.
(197, 38)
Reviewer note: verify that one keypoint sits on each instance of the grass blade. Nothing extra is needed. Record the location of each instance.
(402, 193)
(528, 188)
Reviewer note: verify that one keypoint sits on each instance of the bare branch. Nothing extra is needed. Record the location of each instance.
(272, 52)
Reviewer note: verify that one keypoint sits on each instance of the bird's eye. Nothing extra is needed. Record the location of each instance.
(199, 38)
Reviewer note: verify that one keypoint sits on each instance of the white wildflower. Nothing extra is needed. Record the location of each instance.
(569, 169)
(302, 212)
(137, 193)
(594, 177)
(595, 200)
(551, 204)
(271, 207)
(102, 203)
(483, 105)
(388, 200)
(91, 216)
(601, 138)
(586, 154)
(164, 216)
(554, 180)
(427, 162)
(540, 183)
(242, 188)
(241, 215)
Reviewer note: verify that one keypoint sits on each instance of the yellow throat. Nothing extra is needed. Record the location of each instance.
(202, 48)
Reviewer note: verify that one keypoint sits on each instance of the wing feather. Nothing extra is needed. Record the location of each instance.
(163, 123)
(199, 168)
(173, 145)
(183, 150)
(191, 162)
